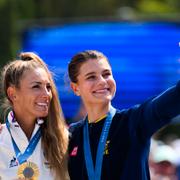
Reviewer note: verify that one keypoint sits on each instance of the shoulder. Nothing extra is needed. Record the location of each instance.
(75, 126)
(127, 117)
(125, 113)
(3, 132)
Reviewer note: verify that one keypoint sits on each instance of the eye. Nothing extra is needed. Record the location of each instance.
(35, 86)
(48, 87)
(106, 74)
(92, 77)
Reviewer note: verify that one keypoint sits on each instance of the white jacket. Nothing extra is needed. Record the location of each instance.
(8, 162)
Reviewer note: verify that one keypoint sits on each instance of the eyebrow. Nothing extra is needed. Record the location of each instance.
(35, 82)
(107, 70)
(92, 73)
(89, 74)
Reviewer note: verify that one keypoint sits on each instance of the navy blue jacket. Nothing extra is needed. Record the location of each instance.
(128, 143)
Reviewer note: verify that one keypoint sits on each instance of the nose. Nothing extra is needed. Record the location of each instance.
(46, 93)
(101, 80)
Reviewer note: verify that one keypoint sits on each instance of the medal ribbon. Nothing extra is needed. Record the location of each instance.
(95, 173)
(30, 148)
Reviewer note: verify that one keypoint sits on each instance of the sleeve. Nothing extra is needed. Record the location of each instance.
(167, 104)
(158, 111)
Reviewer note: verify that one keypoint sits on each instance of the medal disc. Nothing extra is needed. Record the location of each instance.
(28, 170)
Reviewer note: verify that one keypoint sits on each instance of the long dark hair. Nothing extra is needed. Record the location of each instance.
(80, 58)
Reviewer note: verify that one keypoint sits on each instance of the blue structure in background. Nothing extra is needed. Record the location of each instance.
(145, 57)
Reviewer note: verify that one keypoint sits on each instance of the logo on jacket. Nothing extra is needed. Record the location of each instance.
(106, 150)
(74, 151)
(13, 162)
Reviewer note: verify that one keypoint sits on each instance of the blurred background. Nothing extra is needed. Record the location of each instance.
(140, 38)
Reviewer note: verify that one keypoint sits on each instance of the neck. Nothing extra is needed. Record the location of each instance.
(97, 111)
(27, 125)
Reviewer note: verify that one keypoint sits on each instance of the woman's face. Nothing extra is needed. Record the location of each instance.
(95, 82)
(32, 99)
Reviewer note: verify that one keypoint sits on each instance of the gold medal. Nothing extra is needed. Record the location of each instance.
(28, 170)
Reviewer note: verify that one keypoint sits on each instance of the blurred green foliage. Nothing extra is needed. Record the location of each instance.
(14, 12)
(158, 7)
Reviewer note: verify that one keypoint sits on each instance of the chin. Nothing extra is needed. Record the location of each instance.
(42, 115)
(106, 100)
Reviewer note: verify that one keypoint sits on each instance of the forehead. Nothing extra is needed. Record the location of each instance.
(93, 65)
(37, 74)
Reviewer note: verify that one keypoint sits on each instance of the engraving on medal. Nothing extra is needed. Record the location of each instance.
(28, 170)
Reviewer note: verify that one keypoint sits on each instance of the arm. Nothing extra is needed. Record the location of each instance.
(167, 104)
(158, 111)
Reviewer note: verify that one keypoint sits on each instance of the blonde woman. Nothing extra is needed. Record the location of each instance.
(34, 139)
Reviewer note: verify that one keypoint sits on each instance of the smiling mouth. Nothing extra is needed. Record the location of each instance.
(43, 105)
(101, 91)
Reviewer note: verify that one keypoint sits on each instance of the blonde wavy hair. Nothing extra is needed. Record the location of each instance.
(54, 129)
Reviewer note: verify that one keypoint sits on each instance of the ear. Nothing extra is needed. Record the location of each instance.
(11, 92)
(75, 88)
